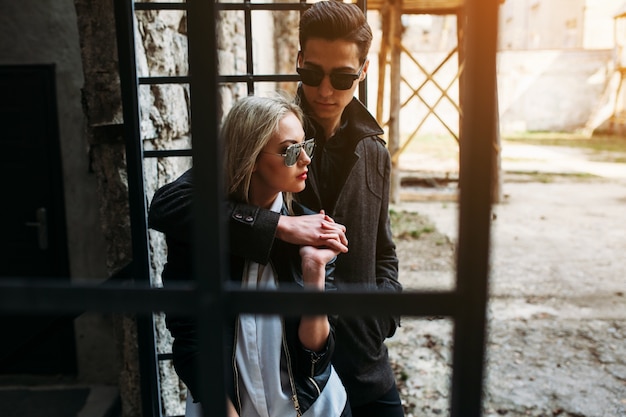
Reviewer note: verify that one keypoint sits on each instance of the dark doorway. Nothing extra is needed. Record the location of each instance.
(33, 242)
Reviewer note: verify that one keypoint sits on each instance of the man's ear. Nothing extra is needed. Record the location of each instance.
(365, 67)
(299, 59)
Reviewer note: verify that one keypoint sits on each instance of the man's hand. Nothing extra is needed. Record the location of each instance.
(317, 230)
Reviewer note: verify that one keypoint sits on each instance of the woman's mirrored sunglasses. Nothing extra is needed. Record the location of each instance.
(292, 153)
(339, 80)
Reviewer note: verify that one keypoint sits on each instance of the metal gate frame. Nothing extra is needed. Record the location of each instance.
(466, 304)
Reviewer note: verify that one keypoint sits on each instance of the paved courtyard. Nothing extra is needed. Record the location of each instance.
(557, 308)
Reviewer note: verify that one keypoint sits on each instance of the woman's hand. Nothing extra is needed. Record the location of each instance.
(318, 230)
(314, 262)
(313, 330)
(230, 409)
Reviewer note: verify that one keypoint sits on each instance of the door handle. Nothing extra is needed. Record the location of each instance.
(42, 227)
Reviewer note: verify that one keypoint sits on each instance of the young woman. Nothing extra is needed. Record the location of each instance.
(281, 366)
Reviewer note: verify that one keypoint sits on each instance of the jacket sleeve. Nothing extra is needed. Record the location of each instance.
(252, 229)
(386, 258)
(171, 209)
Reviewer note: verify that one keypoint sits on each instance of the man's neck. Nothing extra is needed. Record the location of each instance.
(329, 126)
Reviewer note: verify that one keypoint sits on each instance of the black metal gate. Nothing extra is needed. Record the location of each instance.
(465, 305)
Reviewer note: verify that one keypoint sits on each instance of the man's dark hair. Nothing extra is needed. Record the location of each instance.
(333, 20)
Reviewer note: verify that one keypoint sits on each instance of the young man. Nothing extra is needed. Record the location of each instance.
(348, 179)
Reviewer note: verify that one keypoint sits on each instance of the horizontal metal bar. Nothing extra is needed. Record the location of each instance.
(176, 79)
(257, 78)
(162, 153)
(225, 6)
(184, 298)
(160, 6)
(243, 78)
(77, 298)
(262, 6)
(345, 303)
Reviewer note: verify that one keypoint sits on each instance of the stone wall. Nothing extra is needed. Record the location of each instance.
(102, 108)
(161, 50)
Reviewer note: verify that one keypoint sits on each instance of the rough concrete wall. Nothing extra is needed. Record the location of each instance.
(286, 46)
(45, 32)
(551, 90)
(541, 24)
(231, 59)
(102, 108)
(161, 50)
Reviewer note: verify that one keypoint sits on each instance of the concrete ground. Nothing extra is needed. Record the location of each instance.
(557, 308)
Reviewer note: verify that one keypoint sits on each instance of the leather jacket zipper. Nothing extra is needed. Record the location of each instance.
(314, 359)
(292, 382)
(235, 368)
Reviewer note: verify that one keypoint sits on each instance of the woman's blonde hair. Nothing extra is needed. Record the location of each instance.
(247, 128)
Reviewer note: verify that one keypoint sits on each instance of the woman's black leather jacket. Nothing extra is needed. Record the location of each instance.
(311, 370)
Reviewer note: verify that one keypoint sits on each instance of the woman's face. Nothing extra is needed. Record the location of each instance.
(271, 176)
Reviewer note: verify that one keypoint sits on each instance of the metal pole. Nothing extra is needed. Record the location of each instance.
(210, 240)
(148, 363)
(475, 179)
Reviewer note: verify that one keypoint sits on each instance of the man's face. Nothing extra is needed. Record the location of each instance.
(338, 56)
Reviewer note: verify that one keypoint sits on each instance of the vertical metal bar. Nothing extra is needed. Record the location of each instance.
(460, 41)
(475, 178)
(148, 363)
(395, 81)
(210, 239)
(249, 55)
(363, 86)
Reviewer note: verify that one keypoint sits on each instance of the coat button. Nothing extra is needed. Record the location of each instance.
(249, 218)
(238, 216)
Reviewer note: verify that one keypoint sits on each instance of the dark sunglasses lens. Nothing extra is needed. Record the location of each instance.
(341, 81)
(310, 77)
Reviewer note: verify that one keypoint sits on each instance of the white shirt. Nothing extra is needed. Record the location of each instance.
(263, 389)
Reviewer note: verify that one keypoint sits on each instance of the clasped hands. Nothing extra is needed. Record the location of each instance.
(317, 230)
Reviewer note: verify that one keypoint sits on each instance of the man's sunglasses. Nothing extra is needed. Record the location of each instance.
(339, 80)
(292, 153)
